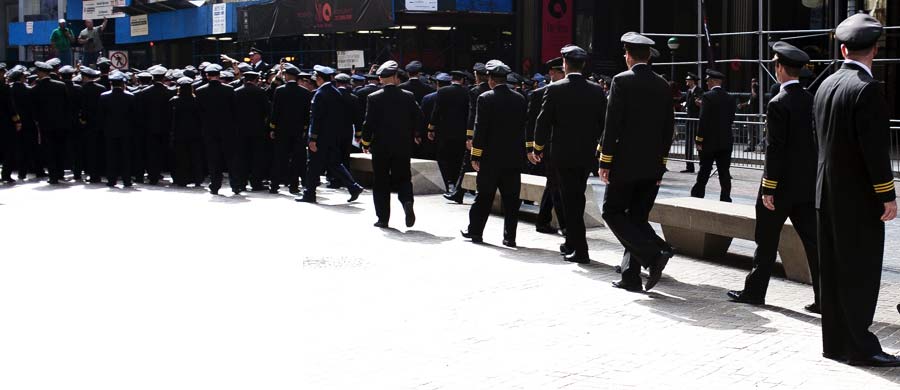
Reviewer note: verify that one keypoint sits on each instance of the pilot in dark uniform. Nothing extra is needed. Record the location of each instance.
(345, 143)
(414, 84)
(95, 148)
(29, 158)
(449, 121)
(789, 182)
(855, 195)
(153, 101)
(552, 197)
(694, 93)
(636, 141)
(481, 79)
(390, 128)
(8, 123)
(571, 118)
(51, 114)
(249, 160)
(116, 116)
(75, 138)
(330, 117)
(187, 135)
(217, 112)
(714, 137)
(497, 149)
(256, 63)
(288, 124)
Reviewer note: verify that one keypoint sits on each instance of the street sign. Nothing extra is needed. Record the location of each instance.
(118, 59)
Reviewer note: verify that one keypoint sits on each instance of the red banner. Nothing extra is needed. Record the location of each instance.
(556, 27)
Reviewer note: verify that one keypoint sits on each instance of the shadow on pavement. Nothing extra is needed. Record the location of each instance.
(415, 236)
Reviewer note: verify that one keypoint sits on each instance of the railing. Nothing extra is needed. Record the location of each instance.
(749, 149)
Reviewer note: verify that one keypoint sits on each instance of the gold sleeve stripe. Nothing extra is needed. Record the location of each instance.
(430, 127)
(769, 181)
(884, 185)
(529, 144)
(476, 152)
(271, 125)
(538, 147)
(889, 187)
(470, 133)
(15, 118)
(698, 139)
(365, 143)
(599, 148)
(359, 134)
(770, 184)
(606, 158)
(665, 161)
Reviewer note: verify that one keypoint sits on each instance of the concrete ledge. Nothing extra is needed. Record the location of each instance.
(704, 228)
(426, 176)
(532, 188)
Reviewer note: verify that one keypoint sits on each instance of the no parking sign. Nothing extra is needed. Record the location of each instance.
(118, 59)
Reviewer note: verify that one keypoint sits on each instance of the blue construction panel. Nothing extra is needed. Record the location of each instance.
(484, 5)
(40, 36)
(184, 23)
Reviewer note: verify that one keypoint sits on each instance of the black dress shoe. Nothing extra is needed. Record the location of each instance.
(306, 199)
(9, 180)
(475, 239)
(578, 257)
(381, 224)
(53, 181)
(111, 184)
(739, 297)
(628, 286)
(214, 190)
(355, 190)
(509, 243)
(657, 268)
(273, 190)
(546, 229)
(410, 214)
(564, 250)
(880, 359)
(294, 190)
(455, 197)
(813, 308)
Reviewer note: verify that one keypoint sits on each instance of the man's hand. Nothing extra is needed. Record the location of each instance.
(534, 159)
(890, 211)
(365, 149)
(476, 165)
(271, 135)
(604, 175)
(468, 144)
(18, 126)
(431, 136)
(418, 140)
(312, 146)
(769, 202)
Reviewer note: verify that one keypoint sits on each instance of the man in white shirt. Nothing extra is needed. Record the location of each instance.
(90, 40)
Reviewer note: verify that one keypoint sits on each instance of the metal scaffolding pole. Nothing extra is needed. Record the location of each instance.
(699, 41)
(761, 66)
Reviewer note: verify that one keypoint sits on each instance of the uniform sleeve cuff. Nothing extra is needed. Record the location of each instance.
(885, 191)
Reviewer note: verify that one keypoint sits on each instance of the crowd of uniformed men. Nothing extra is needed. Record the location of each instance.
(827, 157)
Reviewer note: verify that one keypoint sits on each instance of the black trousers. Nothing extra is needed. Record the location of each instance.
(450, 154)
(327, 157)
(631, 270)
(9, 152)
(572, 183)
(189, 164)
(118, 159)
(290, 162)
(249, 161)
(465, 167)
(626, 210)
(76, 150)
(722, 159)
(689, 147)
(491, 179)
(768, 232)
(156, 146)
(851, 250)
(139, 154)
(216, 149)
(551, 199)
(95, 154)
(391, 172)
(54, 141)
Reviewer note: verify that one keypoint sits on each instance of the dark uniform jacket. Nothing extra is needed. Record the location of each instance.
(21, 101)
(418, 88)
(391, 122)
(186, 122)
(428, 106)
(153, 103)
(854, 168)
(76, 103)
(117, 113)
(571, 118)
(450, 118)
(353, 103)
(690, 100)
(499, 140)
(50, 100)
(639, 125)
(8, 115)
(290, 110)
(253, 109)
(791, 150)
(716, 116)
(330, 117)
(474, 93)
(217, 109)
(534, 108)
(90, 100)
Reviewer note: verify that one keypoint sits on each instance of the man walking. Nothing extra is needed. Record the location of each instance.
(714, 138)
(788, 184)
(448, 126)
(552, 197)
(855, 196)
(389, 130)
(694, 93)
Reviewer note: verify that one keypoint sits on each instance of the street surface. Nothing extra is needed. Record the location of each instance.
(164, 288)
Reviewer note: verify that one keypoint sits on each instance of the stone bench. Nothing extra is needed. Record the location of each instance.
(532, 188)
(705, 228)
(426, 177)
